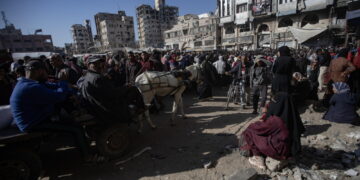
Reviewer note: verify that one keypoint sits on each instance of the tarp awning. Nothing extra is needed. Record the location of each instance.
(353, 14)
(302, 35)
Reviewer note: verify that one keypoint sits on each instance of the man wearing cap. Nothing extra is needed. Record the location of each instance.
(33, 103)
(104, 100)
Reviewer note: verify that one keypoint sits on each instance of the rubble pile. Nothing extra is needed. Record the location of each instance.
(330, 151)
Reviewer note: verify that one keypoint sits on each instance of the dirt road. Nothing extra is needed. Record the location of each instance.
(180, 152)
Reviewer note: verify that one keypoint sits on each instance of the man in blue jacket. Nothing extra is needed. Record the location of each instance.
(33, 103)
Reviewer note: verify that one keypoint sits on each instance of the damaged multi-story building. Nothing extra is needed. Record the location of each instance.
(153, 22)
(194, 32)
(82, 37)
(252, 24)
(13, 40)
(353, 23)
(115, 31)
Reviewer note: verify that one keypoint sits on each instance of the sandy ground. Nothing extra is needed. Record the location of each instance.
(180, 152)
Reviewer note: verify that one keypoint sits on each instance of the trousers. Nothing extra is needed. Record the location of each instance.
(259, 91)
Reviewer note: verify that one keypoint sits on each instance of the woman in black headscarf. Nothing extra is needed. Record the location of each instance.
(277, 135)
(208, 78)
(283, 106)
(283, 70)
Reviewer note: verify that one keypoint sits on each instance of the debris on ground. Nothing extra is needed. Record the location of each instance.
(134, 156)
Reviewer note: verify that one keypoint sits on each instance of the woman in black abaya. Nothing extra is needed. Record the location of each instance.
(278, 135)
(283, 106)
(208, 74)
(283, 70)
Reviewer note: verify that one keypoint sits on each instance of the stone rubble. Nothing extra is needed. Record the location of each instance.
(354, 135)
(339, 145)
(329, 152)
(247, 174)
(274, 165)
(209, 165)
(325, 157)
(351, 172)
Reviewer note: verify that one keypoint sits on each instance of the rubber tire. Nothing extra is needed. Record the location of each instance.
(104, 146)
(28, 158)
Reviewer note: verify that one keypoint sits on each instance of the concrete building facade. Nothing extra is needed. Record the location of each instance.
(115, 31)
(153, 22)
(252, 24)
(82, 37)
(69, 50)
(194, 32)
(13, 39)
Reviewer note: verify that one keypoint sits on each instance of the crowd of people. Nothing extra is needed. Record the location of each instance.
(39, 89)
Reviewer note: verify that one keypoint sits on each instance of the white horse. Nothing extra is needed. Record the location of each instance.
(162, 84)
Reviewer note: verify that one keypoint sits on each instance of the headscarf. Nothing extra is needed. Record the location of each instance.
(343, 53)
(283, 106)
(284, 51)
(341, 87)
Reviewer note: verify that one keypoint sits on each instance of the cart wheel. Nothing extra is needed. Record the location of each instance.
(113, 141)
(23, 165)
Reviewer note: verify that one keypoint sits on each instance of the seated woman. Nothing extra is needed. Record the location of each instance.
(277, 135)
(342, 105)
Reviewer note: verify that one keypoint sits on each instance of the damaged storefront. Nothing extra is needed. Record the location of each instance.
(353, 23)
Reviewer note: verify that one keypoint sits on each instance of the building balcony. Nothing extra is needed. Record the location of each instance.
(228, 19)
(228, 40)
(242, 1)
(283, 35)
(245, 39)
(229, 36)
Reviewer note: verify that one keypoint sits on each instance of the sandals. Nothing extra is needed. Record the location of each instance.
(258, 162)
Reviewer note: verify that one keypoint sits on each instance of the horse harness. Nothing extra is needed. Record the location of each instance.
(151, 84)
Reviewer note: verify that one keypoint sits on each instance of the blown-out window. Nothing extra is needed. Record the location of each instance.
(241, 8)
(285, 22)
(310, 19)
